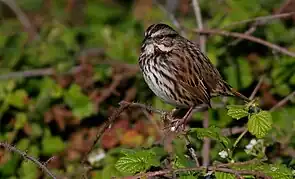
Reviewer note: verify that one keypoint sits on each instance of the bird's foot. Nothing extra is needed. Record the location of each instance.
(181, 123)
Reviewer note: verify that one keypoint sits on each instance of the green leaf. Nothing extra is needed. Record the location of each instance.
(213, 133)
(236, 111)
(80, 103)
(222, 175)
(260, 123)
(137, 162)
(52, 145)
(110, 171)
(17, 98)
(21, 119)
(182, 161)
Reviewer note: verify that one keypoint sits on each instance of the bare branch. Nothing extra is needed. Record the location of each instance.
(210, 168)
(148, 108)
(232, 131)
(171, 17)
(24, 20)
(191, 150)
(105, 126)
(202, 42)
(26, 156)
(197, 10)
(256, 88)
(283, 101)
(82, 54)
(246, 37)
(261, 20)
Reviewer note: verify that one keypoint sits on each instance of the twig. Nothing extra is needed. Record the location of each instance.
(105, 126)
(148, 108)
(117, 79)
(49, 160)
(154, 123)
(210, 168)
(256, 88)
(246, 37)
(191, 150)
(171, 17)
(240, 137)
(197, 10)
(232, 131)
(73, 70)
(261, 20)
(239, 163)
(202, 42)
(26, 156)
(283, 101)
(207, 142)
(24, 20)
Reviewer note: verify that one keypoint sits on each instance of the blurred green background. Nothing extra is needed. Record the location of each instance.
(65, 65)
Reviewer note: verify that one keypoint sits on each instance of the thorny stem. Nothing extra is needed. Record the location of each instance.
(26, 156)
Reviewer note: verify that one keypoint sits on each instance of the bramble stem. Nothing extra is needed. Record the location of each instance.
(239, 138)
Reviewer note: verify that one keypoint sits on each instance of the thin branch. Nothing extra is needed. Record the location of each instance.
(202, 42)
(148, 108)
(82, 54)
(49, 160)
(283, 101)
(246, 37)
(197, 11)
(256, 88)
(239, 163)
(207, 142)
(171, 17)
(26, 156)
(191, 150)
(261, 20)
(240, 137)
(24, 20)
(210, 168)
(105, 126)
(232, 131)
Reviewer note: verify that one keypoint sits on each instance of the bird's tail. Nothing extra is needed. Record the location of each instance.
(230, 91)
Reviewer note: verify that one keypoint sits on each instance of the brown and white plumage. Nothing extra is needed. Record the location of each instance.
(177, 71)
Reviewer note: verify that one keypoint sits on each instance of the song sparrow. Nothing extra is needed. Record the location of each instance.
(178, 72)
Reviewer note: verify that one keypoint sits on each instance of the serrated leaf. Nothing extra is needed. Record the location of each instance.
(278, 171)
(222, 175)
(236, 111)
(137, 162)
(260, 123)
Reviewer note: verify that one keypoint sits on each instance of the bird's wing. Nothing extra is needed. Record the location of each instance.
(190, 84)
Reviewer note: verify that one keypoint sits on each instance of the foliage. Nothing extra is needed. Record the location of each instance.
(61, 79)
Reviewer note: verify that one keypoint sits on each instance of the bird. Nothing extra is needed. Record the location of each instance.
(178, 72)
